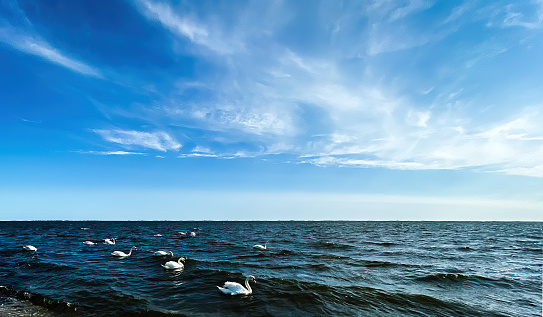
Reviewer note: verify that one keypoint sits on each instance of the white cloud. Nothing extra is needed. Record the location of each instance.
(199, 151)
(514, 147)
(329, 110)
(202, 149)
(30, 121)
(188, 27)
(197, 155)
(182, 26)
(34, 45)
(412, 7)
(159, 140)
(251, 120)
(514, 18)
(459, 12)
(349, 162)
(112, 153)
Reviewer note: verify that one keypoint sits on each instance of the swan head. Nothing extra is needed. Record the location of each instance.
(251, 277)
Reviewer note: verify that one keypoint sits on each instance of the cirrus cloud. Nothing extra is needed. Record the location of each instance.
(159, 140)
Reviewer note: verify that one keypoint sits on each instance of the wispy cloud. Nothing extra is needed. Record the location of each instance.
(327, 109)
(393, 27)
(30, 121)
(349, 162)
(112, 153)
(34, 45)
(163, 13)
(412, 6)
(199, 151)
(513, 147)
(197, 155)
(516, 18)
(188, 27)
(160, 141)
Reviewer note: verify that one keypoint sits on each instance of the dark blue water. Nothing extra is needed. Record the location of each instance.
(309, 269)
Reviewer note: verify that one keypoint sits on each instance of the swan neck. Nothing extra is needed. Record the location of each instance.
(248, 286)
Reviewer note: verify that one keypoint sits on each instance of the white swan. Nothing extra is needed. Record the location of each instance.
(260, 246)
(162, 253)
(158, 235)
(233, 288)
(110, 241)
(122, 254)
(30, 248)
(89, 242)
(172, 265)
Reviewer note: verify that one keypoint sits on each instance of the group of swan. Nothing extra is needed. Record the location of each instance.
(229, 288)
(171, 265)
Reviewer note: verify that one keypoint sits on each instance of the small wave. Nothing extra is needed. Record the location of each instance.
(384, 244)
(49, 266)
(328, 256)
(453, 278)
(258, 255)
(466, 248)
(536, 250)
(378, 264)
(323, 299)
(333, 245)
(286, 253)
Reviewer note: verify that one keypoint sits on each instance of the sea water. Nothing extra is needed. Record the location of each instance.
(308, 269)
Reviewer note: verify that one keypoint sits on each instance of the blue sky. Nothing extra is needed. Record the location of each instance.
(264, 110)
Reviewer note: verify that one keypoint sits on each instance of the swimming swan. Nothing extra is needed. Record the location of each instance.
(172, 265)
(89, 242)
(110, 241)
(233, 288)
(122, 254)
(260, 246)
(30, 248)
(162, 253)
